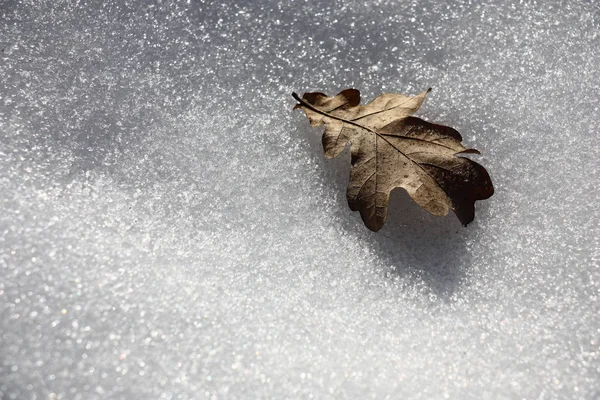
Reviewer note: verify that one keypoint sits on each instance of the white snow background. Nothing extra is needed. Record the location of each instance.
(170, 228)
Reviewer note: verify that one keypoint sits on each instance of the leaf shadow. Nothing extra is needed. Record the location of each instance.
(421, 249)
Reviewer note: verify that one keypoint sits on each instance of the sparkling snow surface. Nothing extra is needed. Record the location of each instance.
(170, 228)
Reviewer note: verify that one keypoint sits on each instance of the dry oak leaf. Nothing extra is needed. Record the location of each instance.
(391, 149)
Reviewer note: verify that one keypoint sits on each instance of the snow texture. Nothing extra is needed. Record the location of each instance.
(170, 228)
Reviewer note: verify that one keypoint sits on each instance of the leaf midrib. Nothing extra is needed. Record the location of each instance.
(310, 106)
(381, 135)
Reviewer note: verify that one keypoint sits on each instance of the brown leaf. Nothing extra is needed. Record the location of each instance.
(391, 149)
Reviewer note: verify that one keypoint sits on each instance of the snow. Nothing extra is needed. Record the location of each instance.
(170, 228)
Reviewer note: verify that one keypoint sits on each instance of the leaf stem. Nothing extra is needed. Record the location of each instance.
(311, 107)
